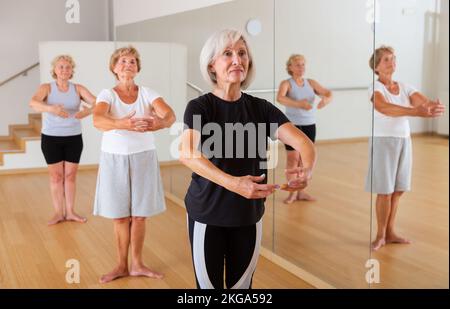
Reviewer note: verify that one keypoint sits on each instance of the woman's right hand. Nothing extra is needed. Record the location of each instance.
(304, 104)
(248, 187)
(298, 178)
(132, 124)
(431, 109)
(58, 110)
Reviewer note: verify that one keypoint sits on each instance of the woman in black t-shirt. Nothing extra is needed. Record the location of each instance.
(225, 145)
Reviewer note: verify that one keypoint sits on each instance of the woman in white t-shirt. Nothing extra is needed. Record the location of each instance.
(391, 155)
(129, 187)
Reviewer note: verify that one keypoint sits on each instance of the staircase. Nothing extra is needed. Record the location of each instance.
(15, 142)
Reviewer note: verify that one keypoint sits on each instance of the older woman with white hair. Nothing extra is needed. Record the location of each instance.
(225, 199)
(129, 186)
(61, 140)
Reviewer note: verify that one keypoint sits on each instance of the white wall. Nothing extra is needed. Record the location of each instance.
(131, 11)
(334, 36)
(23, 24)
(163, 69)
(441, 70)
(407, 25)
(336, 40)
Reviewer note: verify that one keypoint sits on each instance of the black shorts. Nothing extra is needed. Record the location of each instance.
(309, 131)
(61, 148)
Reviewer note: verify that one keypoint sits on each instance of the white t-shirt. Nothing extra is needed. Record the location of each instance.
(123, 141)
(387, 125)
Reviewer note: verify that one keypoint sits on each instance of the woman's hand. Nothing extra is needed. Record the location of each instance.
(248, 187)
(323, 102)
(154, 123)
(83, 113)
(431, 109)
(304, 104)
(59, 110)
(302, 176)
(132, 124)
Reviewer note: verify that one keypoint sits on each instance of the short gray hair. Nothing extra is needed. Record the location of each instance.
(375, 59)
(214, 46)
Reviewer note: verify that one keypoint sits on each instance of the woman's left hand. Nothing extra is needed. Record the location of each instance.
(324, 102)
(154, 123)
(81, 114)
(303, 176)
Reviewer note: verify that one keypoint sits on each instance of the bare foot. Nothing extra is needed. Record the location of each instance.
(57, 218)
(145, 272)
(378, 243)
(116, 273)
(76, 218)
(303, 196)
(290, 199)
(394, 239)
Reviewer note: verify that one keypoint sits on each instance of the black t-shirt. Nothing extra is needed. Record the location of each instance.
(234, 138)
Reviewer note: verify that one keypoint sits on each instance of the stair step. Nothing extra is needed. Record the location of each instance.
(26, 133)
(19, 134)
(35, 115)
(37, 124)
(9, 146)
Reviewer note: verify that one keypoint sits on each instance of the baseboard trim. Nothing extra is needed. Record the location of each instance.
(294, 269)
(176, 200)
(36, 170)
(169, 163)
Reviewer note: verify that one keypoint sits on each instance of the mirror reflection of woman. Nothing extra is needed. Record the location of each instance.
(61, 140)
(391, 152)
(297, 94)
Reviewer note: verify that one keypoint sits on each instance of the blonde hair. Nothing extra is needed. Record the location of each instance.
(62, 57)
(124, 51)
(214, 46)
(291, 59)
(374, 61)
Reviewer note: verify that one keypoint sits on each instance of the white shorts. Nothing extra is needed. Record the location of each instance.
(390, 169)
(129, 186)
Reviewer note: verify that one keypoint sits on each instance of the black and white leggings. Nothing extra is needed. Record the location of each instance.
(234, 248)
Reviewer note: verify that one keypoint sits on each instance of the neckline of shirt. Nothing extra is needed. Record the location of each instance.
(121, 101)
(60, 91)
(399, 89)
(228, 102)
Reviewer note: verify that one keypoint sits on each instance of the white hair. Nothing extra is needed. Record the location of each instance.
(217, 43)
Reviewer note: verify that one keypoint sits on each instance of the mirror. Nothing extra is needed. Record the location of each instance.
(418, 33)
(328, 238)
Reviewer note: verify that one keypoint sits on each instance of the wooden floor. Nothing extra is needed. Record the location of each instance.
(424, 218)
(330, 237)
(33, 255)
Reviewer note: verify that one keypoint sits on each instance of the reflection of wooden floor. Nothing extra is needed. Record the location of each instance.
(330, 237)
(423, 217)
(33, 255)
